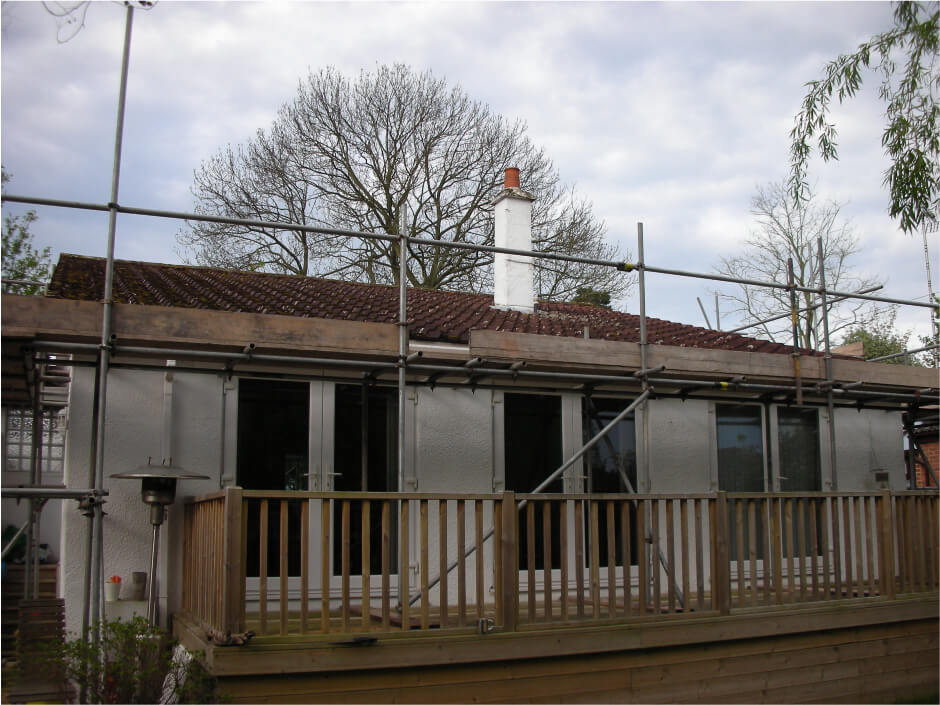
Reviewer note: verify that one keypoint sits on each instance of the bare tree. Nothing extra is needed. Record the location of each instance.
(790, 229)
(355, 155)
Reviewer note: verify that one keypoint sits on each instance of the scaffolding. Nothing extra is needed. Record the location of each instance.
(408, 369)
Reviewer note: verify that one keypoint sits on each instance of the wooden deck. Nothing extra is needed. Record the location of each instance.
(644, 584)
(877, 651)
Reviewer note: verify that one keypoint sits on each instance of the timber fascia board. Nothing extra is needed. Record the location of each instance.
(328, 652)
(39, 318)
(613, 356)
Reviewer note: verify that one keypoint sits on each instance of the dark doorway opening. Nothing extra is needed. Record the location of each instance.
(366, 419)
(273, 454)
(533, 452)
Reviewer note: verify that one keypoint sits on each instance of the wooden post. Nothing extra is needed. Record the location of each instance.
(233, 587)
(721, 580)
(886, 545)
(509, 571)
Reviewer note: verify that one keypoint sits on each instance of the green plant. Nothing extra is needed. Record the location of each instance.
(135, 662)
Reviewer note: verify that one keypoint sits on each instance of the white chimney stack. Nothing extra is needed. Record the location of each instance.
(512, 274)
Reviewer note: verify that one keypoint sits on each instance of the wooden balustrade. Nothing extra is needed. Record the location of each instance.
(204, 570)
(283, 563)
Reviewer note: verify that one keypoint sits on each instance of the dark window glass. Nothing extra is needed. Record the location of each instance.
(799, 450)
(798, 430)
(610, 461)
(740, 448)
(377, 431)
(533, 452)
(273, 420)
(740, 461)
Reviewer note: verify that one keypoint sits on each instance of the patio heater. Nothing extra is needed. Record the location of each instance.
(158, 489)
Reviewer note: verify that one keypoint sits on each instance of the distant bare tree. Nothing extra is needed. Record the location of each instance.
(356, 155)
(788, 228)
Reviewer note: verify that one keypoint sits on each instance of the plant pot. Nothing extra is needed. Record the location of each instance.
(111, 591)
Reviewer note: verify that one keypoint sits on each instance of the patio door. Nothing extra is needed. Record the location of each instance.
(272, 454)
(365, 459)
(611, 469)
(533, 450)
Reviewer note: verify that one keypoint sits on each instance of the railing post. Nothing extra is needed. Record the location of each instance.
(721, 578)
(509, 570)
(233, 584)
(886, 544)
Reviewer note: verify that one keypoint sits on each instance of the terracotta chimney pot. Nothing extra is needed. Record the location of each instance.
(511, 178)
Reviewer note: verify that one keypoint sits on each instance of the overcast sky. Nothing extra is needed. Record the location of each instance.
(665, 113)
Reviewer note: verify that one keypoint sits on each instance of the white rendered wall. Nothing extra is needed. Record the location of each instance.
(133, 432)
(867, 440)
(679, 446)
(455, 445)
(512, 274)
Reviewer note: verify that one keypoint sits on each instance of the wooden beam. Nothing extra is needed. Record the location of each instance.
(612, 357)
(163, 326)
(274, 655)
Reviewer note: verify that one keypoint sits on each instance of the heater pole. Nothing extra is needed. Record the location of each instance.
(151, 584)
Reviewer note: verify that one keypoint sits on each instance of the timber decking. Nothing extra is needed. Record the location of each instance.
(876, 652)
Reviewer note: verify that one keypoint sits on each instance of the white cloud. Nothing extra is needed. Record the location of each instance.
(669, 113)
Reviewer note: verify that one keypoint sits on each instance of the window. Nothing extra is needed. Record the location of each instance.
(608, 463)
(18, 440)
(798, 430)
(741, 461)
(273, 418)
(533, 452)
(365, 419)
(740, 448)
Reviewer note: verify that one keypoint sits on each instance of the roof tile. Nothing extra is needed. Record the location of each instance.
(443, 316)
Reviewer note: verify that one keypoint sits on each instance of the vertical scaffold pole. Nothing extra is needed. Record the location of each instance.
(830, 406)
(795, 324)
(404, 584)
(645, 421)
(94, 608)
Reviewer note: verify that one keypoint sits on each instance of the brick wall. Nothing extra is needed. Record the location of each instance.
(931, 449)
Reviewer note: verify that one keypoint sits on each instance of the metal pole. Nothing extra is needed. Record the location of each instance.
(708, 324)
(795, 324)
(644, 411)
(828, 358)
(404, 582)
(431, 369)
(623, 266)
(644, 353)
(152, 594)
(30, 567)
(904, 353)
(813, 307)
(97, 521)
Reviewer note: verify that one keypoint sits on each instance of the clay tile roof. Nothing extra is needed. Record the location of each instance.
(441, 316)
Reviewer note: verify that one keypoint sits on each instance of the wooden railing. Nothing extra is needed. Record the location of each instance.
(307, 562)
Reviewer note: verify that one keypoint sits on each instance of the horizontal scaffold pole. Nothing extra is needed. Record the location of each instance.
(300, 227)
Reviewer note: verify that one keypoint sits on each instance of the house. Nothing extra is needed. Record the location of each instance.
(715, 492)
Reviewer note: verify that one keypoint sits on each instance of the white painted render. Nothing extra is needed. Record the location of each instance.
(512, 274)
(455, 444)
